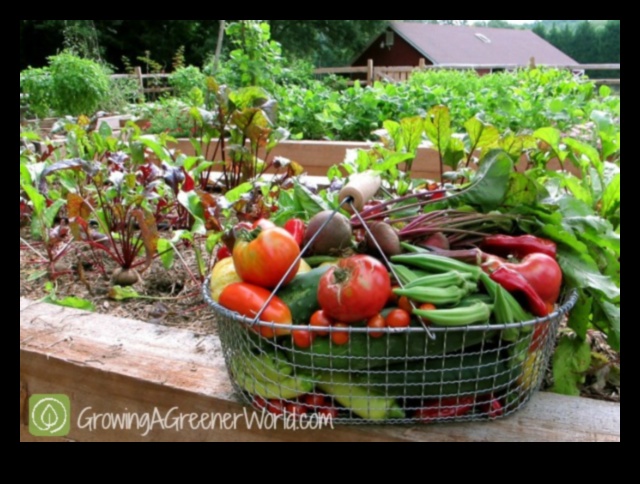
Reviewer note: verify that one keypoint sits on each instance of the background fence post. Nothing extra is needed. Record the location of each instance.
(138, 73)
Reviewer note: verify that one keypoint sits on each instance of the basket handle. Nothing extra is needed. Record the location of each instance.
(361, 188)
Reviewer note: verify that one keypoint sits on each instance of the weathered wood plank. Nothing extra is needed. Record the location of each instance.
(116, 365)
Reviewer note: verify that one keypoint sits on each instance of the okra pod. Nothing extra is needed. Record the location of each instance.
(446, 279)
(459, 316)
(405, 274)
(440, 296)
(437, 263)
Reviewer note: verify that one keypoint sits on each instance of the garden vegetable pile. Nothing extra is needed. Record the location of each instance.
(465, 269)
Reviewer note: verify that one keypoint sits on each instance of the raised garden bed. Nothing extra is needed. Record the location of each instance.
(117, 365)
(318, 156)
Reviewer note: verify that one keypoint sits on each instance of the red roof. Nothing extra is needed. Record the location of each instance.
(449, 44)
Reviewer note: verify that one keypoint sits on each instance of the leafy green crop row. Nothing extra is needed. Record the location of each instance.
(517, 101)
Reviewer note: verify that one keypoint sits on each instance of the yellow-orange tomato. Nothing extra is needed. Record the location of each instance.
(263, 256)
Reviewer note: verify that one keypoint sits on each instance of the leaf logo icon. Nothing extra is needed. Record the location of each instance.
(49, 415)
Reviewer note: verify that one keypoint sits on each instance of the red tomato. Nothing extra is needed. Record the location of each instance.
(264, 259)
(427, 307)
(276, 407)
(320, 320)
(398, 318)
(405, 304)
(357, 289)
(302, 338)
(296, 409)
(259, 403)
(340, 338)
(247, 300)
(377, 322)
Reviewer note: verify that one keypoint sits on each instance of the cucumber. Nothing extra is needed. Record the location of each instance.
(363, 352)
(435, 377)
(301, 295)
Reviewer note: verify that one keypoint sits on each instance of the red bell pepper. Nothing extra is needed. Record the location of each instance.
(297, 228)
(538, 276)
(493, 408)
(543, 273)
(518, 246)
(223, 253)
(516, 283)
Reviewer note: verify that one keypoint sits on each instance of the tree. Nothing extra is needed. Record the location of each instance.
(500, 24)
(540, 30)
(585, 45)
(324, 42)
(610, 42)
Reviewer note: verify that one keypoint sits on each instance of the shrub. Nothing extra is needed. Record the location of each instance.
(35, 84)
(79, 86)
(184, 79)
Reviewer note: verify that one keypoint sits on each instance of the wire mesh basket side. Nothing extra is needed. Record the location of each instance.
(473, 373)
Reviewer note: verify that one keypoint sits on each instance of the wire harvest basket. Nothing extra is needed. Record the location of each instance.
(416, 374)
(403, 377)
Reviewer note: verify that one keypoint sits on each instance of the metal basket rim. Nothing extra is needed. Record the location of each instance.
(570, 299)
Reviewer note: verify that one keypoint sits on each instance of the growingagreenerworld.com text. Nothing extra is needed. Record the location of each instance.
(175, 421)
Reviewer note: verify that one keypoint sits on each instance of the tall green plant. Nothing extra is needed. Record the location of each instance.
(35, 85)
(256, 59)
(78, 86)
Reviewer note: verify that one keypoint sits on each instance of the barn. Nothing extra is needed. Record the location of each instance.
(406, 43)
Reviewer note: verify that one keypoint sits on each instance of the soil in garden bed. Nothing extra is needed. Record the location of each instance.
(173, 298)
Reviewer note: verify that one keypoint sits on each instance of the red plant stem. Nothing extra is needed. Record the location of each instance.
(114, 255)
(420, 195)
(431, 230)
(355, 221)
(416, 221)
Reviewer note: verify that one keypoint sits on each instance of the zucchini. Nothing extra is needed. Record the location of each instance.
(301, 295)
(362, 401)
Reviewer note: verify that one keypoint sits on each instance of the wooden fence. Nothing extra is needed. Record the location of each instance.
(372, 73)
(148, 83)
